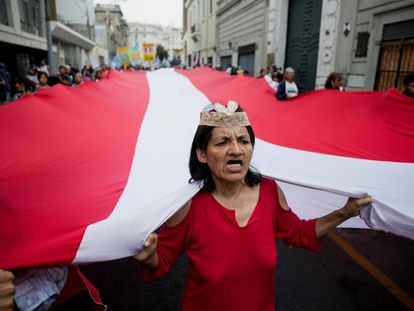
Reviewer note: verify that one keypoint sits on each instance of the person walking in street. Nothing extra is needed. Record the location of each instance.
(228, 229)
(288, 88)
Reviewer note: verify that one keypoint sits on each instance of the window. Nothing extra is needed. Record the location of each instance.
(30, 19)
(211, 7)
(362, 44)
(4, 19)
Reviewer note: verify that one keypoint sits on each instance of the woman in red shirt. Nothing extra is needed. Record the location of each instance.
(228, 229)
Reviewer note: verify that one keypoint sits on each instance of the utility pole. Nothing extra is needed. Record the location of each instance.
(49, 34)
(87, 20)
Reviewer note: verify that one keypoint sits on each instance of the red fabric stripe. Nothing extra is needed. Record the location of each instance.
(367, 125)
(64, 162)
(76, 283)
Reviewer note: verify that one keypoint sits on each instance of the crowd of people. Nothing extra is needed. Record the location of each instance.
(286, 87)
(39, 77)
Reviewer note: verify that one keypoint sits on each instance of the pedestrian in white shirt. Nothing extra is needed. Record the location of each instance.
(288, 88)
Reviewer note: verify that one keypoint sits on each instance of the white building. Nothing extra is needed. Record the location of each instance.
(369, 41)
(167, 36)
(200, 32)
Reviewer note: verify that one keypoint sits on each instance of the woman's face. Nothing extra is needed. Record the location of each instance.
(43, 80)
(228, 153)
(336, 83)
(19, 87)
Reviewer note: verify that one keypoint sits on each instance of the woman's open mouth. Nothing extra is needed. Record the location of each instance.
(234, 164)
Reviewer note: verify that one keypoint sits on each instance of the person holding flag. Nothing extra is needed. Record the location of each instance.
(228, 229)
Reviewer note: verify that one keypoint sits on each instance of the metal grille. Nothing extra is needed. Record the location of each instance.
(395, 62)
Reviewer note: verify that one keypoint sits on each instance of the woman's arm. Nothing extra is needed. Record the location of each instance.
(149, 255)
(7, 290)
(351, 209)
(306, 233)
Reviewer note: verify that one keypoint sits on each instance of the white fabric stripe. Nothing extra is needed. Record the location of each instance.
(157, 185)
(158, 181)
(389, 183)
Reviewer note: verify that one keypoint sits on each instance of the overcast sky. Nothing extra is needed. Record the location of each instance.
(164, 12)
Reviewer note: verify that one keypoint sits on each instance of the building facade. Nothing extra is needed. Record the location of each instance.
(22, 34)
(242, 34)
(369, 41)
(111, 16)
(73, 33)
(200, 32)
(140, 34)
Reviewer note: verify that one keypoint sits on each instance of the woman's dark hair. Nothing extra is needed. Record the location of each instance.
(408, 79)
(200, 172)
(41, 73)
(29, 85)
(332, 77)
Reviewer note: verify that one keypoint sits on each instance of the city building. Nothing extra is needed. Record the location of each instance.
(169, 37)
(73, 33)
(22, 34)
(200, 32)
(371, 42)
(242, 34)
(111, 16)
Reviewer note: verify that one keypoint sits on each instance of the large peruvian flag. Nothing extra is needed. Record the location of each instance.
(87, 173)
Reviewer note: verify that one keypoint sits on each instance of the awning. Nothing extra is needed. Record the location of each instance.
(64, 33)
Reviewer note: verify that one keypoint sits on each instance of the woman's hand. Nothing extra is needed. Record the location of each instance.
(353, 206)
(7, 290)
(351, 209)
(148, 255)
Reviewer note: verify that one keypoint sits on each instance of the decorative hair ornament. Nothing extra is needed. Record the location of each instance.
(218, 115)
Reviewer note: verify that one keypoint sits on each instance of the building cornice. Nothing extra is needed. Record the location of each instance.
(64, 33)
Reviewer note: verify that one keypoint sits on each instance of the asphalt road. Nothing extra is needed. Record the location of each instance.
(328, 280)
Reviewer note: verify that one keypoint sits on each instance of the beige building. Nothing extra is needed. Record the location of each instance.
(371, 42)
(111, 16)
(242, 34)
(199, 27)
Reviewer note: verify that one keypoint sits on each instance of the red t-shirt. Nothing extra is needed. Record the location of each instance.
(231, 267)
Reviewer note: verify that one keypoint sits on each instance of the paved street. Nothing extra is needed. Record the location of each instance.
(329, 280)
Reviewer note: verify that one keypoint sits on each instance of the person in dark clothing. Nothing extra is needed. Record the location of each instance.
(63, 76)
(5, 86)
